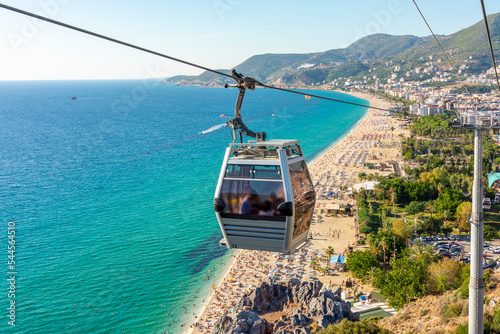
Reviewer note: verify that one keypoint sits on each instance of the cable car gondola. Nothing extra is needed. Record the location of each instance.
(265, 197)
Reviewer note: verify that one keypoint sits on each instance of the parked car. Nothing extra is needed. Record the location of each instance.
(440, 243)
(443, 252)
(455, 253)
(465, 259)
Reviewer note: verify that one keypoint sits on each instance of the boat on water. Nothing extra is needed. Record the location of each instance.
(73, 97)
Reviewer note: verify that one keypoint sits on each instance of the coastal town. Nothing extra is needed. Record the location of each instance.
(357, 191)
(374, 147)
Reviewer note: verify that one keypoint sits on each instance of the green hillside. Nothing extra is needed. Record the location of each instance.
(367, 57)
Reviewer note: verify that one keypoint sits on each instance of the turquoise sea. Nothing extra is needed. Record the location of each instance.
(111, 195)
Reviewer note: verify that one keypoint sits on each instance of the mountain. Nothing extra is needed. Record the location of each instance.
(371, 56)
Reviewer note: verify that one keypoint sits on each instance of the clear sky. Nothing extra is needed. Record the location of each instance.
(212, 33)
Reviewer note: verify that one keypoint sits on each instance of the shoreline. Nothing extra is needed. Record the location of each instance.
(249, 268)
(340, 138)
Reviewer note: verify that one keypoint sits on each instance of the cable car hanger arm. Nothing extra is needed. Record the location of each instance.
(243, 83)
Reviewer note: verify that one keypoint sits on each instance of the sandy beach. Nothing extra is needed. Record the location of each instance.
(374, 140)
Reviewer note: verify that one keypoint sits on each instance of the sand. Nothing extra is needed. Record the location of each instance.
(373, 140)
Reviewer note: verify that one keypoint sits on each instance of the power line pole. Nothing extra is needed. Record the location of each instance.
(476, 286)
(478, 121)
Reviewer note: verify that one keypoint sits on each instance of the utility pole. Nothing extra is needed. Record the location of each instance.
(477, 121)
(476, 286)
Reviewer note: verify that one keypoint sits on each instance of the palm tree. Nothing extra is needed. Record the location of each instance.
(384, 242)
(372, 272)
(431, 209)
(446, 214)
(362, 176)
(371, 239)
(373, 242)
(329, 251)
(394, 198)
(420, 249)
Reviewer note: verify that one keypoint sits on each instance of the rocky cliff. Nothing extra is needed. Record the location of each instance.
(292, 307)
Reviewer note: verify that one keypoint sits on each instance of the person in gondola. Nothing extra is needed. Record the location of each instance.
(275, 202)
(248, 204)
(266, 209)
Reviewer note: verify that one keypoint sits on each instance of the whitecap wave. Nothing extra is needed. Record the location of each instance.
(213, 128)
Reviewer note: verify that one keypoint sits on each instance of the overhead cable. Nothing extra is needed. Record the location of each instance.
(68, 26)
(437, 41)
(491, 46)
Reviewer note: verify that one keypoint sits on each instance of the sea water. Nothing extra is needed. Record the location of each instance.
(111, 196)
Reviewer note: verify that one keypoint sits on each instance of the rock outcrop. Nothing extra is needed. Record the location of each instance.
(302, 304)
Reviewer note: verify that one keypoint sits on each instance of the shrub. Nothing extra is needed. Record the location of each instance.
(366, 326)
(452, 310)
(415, 207)
(360, 262)
(443, 276)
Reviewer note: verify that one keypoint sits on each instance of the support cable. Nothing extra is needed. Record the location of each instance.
(433, 35)
(440, 46)
(65, 25)
(491, 46)
(68, 26)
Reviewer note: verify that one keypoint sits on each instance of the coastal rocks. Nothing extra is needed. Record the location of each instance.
(330, 309)
(243, 322)
(302, 294)
(301, 305)
(268, 297)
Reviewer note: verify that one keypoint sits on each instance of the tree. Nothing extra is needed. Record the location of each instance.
(463, 212)
(362, 176)
(394, 199)
(431, 225)
(329, 251)
(490, 233)
(401, 230)
(446, 214)
(384, 243)
(419, 250)
(449, 200)
(372, 241)
(365, 229)
(405, 282)
(415, 207)
(360, 262)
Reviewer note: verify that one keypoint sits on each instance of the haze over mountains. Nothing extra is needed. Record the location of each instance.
(369, 57)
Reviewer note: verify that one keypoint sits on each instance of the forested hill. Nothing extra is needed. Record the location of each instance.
(365, 58)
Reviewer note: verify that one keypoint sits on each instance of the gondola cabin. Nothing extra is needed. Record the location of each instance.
(264, 198)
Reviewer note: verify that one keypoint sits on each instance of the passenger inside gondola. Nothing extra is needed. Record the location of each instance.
(252, 197)
(249, 204)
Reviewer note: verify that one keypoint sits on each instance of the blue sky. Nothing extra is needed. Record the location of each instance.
(213, 33)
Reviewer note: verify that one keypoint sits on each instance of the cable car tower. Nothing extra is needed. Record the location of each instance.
(478, 121)
(264, 198)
